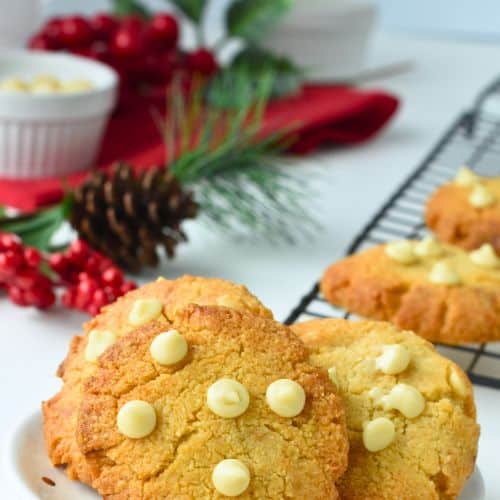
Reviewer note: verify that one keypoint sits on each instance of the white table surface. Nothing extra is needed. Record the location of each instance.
(354, 182)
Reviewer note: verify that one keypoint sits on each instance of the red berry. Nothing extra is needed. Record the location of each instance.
(27, 279)
(127, 287)
(163, 31)
(17, 296)
(68, 298)
(41, 42)
(202, 61)
(9, 241)
(52, 30)
(78, 252)
(58, 262)
(133, 22)
(103, 26)
(86, 288)
(10, 262)
(127, 42)
(32, 257)
(112, 277)
(41, 297)
(75, 32)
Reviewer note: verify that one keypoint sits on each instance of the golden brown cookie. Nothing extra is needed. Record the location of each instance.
(466, 213)
(409, 405)
(60, 412)
(439, 291)
(151, 431)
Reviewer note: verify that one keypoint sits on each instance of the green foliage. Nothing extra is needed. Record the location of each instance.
(37, 229)
(235, 85)
(232, 170)
(251, 19)
(193, 9)
(130, 7)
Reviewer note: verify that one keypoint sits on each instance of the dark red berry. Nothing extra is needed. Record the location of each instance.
(10, 262)
(103, 26)
(68, 298)
(163, 31)
(41, 42)
(17, 296)
(112, 277)
(10, 241)
(133, 22)
(58, 262)
(41, 297)
(127, 42)
(86, 288)
(202, 61)
(75, 32)
(32, 256)
(127, 287)
(52, 30)
(27, 278)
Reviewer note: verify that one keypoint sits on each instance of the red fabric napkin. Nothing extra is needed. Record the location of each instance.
(320, 114)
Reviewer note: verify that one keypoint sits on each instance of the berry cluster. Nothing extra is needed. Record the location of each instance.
(20, 274)
(91, 280)
(140, 51)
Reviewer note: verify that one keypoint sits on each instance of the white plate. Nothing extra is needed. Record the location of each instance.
(26, 463)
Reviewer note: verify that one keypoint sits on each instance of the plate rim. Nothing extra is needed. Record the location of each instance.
(15, 479)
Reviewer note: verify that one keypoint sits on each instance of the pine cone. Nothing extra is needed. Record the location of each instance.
(127, 215)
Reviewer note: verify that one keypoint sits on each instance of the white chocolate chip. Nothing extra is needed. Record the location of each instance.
(13, 85)
(332, 374)
(228, 398)
(406, 399)
(442, 273)
(136, 419)
(144, 310)
(402, 251)
(457, 383)
(465, 177)
(485, 256)
(98, 341)
(168, 348)
(394, 359)
(231, 477)
(481, 197)
(73, 86)
(285, 397)
(428, 247)
(378, 434)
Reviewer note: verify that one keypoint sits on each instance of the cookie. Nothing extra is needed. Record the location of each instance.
(466, 212)
(113, 322)
(437, 290)
(410, 412)
(238, 411)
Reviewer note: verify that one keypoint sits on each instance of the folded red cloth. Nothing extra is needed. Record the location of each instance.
(319, 114)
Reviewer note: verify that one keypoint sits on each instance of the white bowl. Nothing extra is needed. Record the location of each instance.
(329, 38)
(43, 135)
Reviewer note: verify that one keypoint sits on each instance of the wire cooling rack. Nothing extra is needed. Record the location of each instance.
(474, 140)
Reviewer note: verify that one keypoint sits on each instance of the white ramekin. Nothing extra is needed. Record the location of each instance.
(329, 38)
(44, 135)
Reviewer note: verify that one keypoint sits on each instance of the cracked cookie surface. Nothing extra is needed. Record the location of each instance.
(431, 455)
(60, 412)
(454, 220)
(300, 456)
(375, 286)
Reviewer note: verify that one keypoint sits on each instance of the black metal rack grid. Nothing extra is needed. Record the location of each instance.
(473, 140)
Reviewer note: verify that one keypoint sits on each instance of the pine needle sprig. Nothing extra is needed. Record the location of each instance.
(235, 172)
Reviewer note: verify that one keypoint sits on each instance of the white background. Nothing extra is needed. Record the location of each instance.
(353, 184)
